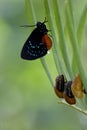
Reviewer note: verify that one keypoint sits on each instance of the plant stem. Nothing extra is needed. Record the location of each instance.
(44, 64)
(74, 107)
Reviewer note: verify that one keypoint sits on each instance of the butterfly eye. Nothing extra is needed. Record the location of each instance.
(77, 87)
(42, 28)
(68, 95)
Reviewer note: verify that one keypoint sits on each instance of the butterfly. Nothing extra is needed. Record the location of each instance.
(38, 43)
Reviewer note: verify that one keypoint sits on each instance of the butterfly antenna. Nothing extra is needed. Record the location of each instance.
(25, 26)
(45, 20)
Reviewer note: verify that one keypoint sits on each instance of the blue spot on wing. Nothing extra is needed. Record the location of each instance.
(32, 50)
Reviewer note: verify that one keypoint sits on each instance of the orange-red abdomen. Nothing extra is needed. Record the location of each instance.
(47, 41)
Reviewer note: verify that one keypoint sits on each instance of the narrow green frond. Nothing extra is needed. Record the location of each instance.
(81, 25)
(62, 41)
(44, 64)
(55, 50)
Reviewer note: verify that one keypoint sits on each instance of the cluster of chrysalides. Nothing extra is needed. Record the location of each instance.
(69, 89)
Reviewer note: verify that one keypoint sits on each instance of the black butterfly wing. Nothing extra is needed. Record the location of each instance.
(33, 51)
(33, 47)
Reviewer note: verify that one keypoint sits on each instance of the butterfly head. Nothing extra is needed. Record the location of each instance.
(42, 27)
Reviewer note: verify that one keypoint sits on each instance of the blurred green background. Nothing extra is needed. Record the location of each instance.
(27, 100)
